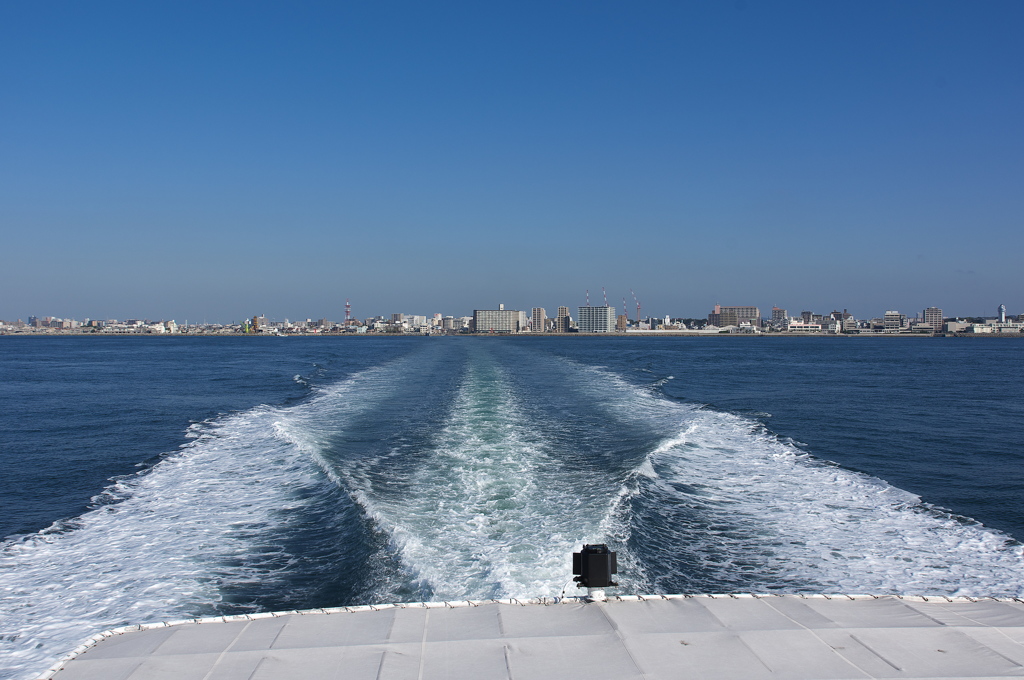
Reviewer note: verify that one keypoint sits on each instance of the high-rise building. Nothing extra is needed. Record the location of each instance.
(933, 317)
(498, 320)
(562, 321)
(538, 319)
(596, 319)
(734, 316)
(778, 315)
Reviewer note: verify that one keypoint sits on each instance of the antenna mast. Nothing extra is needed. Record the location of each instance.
(637, 306)
(588, 297)
(605, 296)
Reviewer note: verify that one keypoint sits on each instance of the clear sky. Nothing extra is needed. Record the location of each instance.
(221, 159)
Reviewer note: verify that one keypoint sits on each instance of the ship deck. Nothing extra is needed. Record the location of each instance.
(745, 637)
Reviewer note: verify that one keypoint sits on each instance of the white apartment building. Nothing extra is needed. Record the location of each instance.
(498, 320)
(596, 319)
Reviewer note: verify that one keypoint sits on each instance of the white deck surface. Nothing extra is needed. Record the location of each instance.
(741, 637)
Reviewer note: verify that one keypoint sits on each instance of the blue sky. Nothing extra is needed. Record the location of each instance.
(222, 159)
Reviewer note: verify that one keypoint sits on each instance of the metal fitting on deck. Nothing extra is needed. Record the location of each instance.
(594, 567)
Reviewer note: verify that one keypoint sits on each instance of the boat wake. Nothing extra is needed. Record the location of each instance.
(467, 472)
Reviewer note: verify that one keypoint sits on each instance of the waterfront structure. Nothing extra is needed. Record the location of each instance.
(893, 321)
(734, 316)
(794, 326)
(596, 319)
(989, 326)
(779, 316)
(563, 321)
(538, 319)
(933, 317)
(498, 320)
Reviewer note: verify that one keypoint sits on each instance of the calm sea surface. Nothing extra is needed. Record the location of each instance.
(152, 478)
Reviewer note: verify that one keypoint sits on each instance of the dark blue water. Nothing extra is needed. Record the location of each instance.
(151, 478)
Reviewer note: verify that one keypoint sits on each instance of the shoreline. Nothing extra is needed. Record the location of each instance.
(646, 335)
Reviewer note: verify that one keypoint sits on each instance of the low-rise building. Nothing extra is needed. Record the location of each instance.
(801, 326)
(893, 321)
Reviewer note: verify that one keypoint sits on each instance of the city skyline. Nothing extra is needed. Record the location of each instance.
(345, 310)
(213, 160)
(598, 318)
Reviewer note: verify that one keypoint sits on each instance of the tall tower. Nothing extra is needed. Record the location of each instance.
(348, 312)
(562, 320)
(538, 319)
(1002, 313)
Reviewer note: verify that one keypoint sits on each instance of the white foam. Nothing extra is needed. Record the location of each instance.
(759, 501)
(839, 529)
(490, 513)
(488, 509)
(158, 552)
(162, 544)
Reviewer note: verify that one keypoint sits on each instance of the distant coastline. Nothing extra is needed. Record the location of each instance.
(658, 334)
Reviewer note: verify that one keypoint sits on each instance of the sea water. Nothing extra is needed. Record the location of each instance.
(155, 478)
